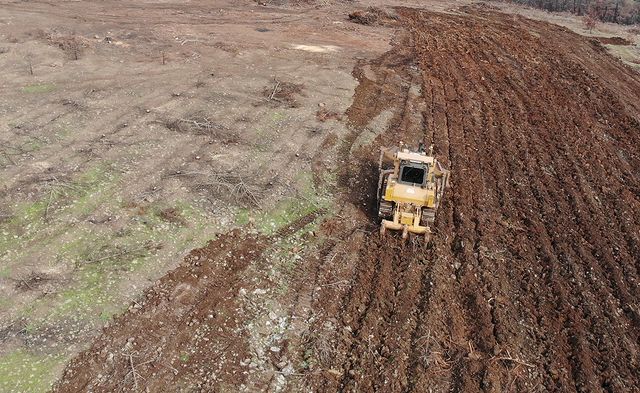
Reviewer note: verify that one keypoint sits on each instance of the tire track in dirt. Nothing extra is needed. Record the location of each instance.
(533, 187)
(397, 279)
(460, 125)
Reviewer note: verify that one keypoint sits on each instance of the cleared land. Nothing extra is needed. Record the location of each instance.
(530, 283)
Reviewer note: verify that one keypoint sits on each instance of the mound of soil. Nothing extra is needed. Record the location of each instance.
(613, 41)
(373, 16)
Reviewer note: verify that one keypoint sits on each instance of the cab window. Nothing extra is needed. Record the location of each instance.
(412, 174)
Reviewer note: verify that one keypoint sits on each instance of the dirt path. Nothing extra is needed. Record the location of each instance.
(531, 282)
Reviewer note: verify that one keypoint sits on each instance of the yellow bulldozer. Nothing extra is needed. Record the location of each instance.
(410, 188)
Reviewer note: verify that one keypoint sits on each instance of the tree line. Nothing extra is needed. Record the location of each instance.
(625, 12)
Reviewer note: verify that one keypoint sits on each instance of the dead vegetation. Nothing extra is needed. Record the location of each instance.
(284, 93)
(320, 344)
(32, 281)
(73, 104)
(329, 141)
(71, 44)
(233, 185)
(230, 186)
(11, 151)
(173, 216)
(5, 215)
(201, 124)
(433, 353)
(118, 252)
(323, 114)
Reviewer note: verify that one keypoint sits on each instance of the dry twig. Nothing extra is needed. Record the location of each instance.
(133, 372)
(335, 283)
(509, 358)
(275, 89)
(123, 253)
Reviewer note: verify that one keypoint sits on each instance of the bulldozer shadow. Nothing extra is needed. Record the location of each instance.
(361, 183)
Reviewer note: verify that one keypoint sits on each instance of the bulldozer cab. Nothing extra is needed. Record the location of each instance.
(413, 173)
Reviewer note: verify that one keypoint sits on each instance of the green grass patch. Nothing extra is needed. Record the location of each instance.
(22, 371)
(91, 187)
(39, 88)
(86, 298)
(106, 315)
(284, 213)
(78, 192)
(102, 259)
(63, 133)
(289, 251)
(264, 140)
(242, 217)
(77, 198)
(287, 211)
(5, 272)
(33, 145)
(277, 117)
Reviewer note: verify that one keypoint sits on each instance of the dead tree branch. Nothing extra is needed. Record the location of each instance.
(275, 89)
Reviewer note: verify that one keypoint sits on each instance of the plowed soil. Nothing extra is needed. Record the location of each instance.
(531, 280)
(180, 326)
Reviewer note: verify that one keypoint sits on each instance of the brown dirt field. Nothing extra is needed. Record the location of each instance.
(179, 334)
(532, 280)
(530, 283)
